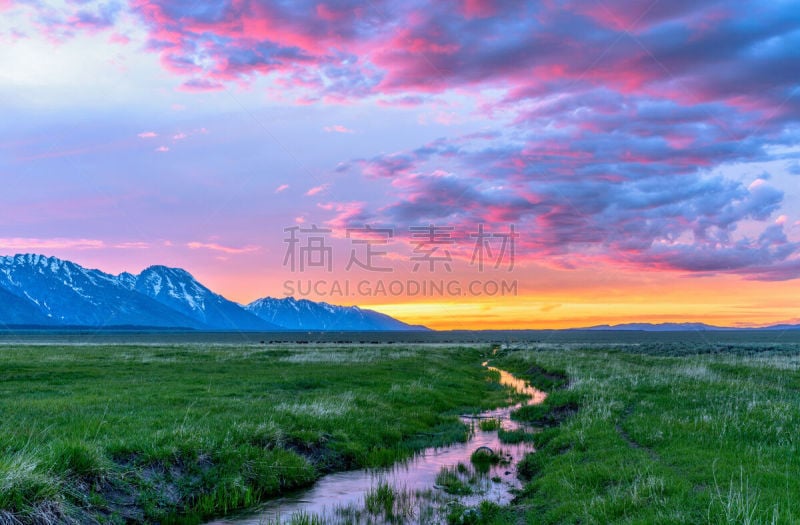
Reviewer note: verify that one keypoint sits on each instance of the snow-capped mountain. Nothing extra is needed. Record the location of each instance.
(64, 293)
(179, 290)
(302, 314)
(36, 290)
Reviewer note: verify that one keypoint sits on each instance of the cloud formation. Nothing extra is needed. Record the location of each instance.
(611, 127)
(626, 196)
(688, 51)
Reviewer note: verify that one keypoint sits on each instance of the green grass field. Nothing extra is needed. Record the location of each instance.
(638, 434)
(663, 434)
(151, 433)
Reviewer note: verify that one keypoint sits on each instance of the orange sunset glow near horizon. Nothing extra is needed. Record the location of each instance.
(543, 298)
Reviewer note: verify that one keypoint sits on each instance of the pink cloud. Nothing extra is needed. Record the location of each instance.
(220, 248)
(118, 38)
(317, 189)
(131, 245)
(338, 128)
(281, 188)
(147, 135)
(38, 244)
(162, 149)
(478, 8)
(331, 14)
(346, 214)
(196, 85)
(408, 101)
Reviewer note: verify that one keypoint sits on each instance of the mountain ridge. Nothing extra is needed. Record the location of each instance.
(302, 314)
(66, 293)
(178, 289)
(45, 291)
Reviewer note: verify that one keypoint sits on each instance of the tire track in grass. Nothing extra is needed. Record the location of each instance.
(626, 437)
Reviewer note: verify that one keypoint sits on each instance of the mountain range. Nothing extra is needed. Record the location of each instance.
(41, 291)
(46, 292)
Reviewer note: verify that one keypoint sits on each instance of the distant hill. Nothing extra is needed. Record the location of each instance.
(41, 291)
(682, 327)
(782, 327)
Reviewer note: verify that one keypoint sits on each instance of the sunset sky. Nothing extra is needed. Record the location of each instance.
(645, 154)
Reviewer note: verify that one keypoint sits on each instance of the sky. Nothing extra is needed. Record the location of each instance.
(457, 163)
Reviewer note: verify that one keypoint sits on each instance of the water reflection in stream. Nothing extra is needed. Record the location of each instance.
(417, 475)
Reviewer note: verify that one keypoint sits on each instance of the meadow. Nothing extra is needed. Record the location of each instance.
(666, 431)
(180, 433)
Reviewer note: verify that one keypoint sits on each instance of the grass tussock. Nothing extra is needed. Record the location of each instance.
(456, 480)
(512, 437)
(489, 424)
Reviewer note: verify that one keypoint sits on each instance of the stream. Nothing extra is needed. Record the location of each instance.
(333, 493)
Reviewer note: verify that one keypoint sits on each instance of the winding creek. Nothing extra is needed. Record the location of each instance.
(417, 475)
